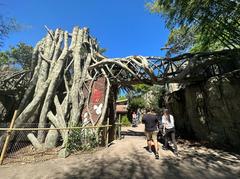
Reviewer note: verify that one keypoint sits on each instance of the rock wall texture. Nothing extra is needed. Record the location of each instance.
(209, 110)
(7, 105)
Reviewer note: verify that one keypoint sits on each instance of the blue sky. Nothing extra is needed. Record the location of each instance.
(124, 27)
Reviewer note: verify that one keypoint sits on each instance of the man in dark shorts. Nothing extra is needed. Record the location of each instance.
(151, 130)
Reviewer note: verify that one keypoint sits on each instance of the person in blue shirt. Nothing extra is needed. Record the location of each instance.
(151, 130)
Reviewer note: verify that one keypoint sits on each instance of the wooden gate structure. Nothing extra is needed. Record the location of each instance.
(73, 83)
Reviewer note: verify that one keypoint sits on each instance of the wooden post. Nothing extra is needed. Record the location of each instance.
(119, 127)
(5, 146)
(107, 133)
(115, 132)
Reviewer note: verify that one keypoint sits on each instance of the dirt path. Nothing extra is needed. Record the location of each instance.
(127, 158)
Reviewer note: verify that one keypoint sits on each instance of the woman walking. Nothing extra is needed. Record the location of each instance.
(169, 130)
(134, 119)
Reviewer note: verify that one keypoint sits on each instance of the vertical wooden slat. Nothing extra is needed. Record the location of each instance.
(107, 133)
(5, 146)
(119, 127)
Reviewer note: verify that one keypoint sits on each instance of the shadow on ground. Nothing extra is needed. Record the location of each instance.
(142, 166)
(132, 133)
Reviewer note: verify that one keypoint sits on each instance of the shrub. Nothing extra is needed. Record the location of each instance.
(125, 121)
(82, 139)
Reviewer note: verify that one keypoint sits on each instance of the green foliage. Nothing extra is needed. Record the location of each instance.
(4, 58)
(125, 121)
(7, 25)
(136, 103)
(82, 139)
(102, 50)
(140, 89)
(201, 25)
(137, 91)
(121, 98)
(20, 55)
(179, 40)
(155, 102)
(146, 97)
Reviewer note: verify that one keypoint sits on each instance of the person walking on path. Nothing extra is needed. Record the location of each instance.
(134, 119)
(139, 116)
(168, 130)
(151, 130)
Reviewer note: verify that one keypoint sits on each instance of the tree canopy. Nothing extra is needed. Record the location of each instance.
(145, 96)
(136, 103)
(20, 56)
(200, 25)
(7, 25)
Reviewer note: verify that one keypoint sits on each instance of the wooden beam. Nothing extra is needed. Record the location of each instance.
(9, 131)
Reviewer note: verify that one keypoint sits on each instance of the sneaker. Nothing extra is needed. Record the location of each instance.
(171, 144)
(164, 148)
(176, 153)
(150, 151)
(157, 156)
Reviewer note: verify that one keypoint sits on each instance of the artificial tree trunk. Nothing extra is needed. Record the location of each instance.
(59, 62)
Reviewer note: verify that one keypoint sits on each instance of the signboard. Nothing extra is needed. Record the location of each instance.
(96, 101)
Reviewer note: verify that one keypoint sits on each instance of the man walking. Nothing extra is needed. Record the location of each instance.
(151, 129)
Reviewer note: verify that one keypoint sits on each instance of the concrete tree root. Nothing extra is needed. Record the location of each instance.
(55, 96)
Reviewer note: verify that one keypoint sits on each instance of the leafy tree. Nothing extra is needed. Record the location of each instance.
(145, 96)
(7, 25)
(137, 90)
(155, 101)
(4, 58)
(19, 56)
(141, 88)
(22, 54)
(206, 24)
(135, 96)
(136, 103)
(179, 40)
(102, 50)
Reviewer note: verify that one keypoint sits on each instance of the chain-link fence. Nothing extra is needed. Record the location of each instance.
(21, 149)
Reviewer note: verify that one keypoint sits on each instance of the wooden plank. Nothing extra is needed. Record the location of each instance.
(119, 127)
(5, 146)
(64, 128)
(107, 133)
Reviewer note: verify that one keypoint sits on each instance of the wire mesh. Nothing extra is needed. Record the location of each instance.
(21, 150)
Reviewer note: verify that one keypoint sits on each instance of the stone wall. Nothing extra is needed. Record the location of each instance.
(210, 110)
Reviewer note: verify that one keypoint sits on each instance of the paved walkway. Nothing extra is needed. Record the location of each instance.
(127, 158)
